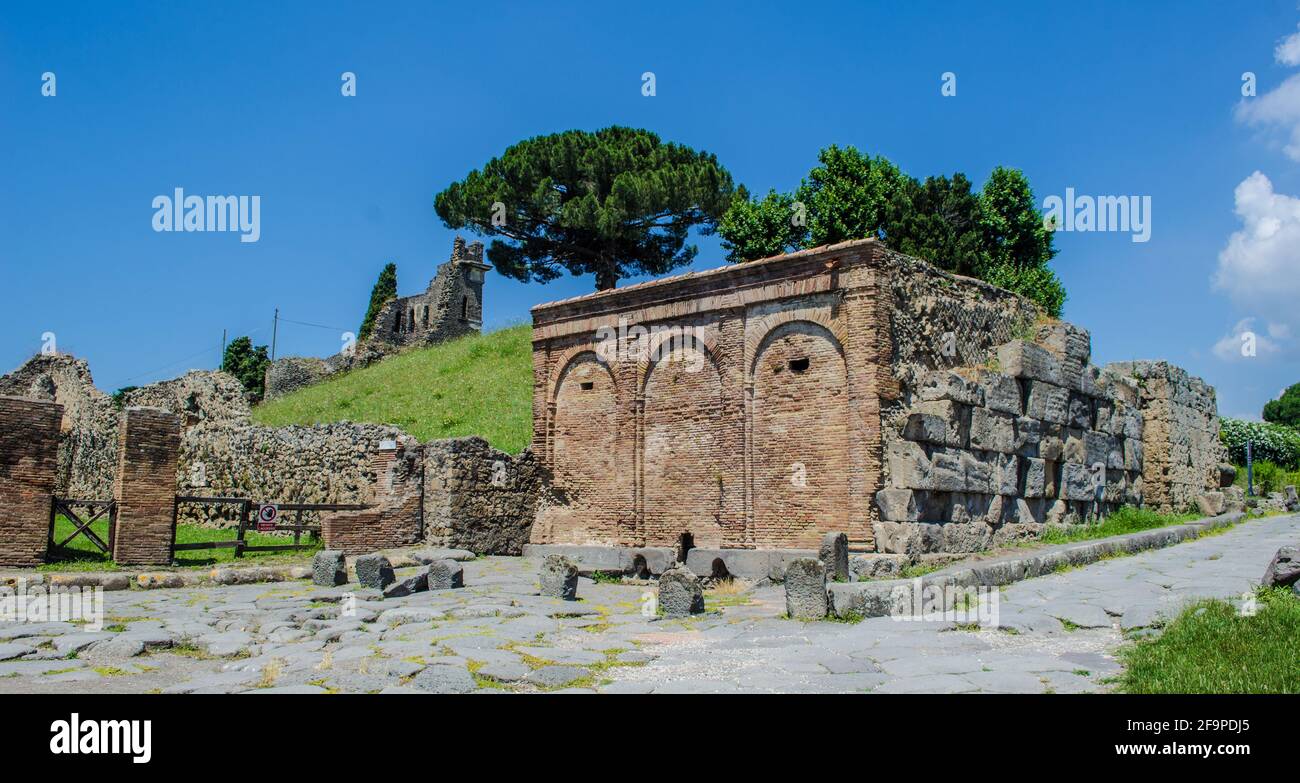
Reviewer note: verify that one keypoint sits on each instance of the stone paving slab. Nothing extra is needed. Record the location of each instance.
(1056, 633)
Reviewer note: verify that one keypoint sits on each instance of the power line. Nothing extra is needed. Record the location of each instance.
(318, 326)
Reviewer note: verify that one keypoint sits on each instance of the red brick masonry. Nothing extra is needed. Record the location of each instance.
(149, 442)
(750, 419)
(397, 518)
(29, 450)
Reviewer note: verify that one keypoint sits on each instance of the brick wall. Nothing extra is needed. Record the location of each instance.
(29, 458)
(396, 518)
(844, 388)
(149, 444)
(737, 406)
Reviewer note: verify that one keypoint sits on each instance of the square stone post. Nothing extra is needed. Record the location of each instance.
(148, 447)
(29, 459)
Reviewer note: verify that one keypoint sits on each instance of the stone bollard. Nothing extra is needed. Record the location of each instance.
(374, 572)
(417, 583)
(329, 569)
(559, 578)
(835, 556)
(679, 593)
(446, 575)
(805, 589)
(1284, 569)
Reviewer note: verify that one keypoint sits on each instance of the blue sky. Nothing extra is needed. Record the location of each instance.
(243, 98)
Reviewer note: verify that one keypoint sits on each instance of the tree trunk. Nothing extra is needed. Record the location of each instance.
(606, 278)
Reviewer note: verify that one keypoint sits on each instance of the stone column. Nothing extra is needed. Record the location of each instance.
(148, 447)
(29, 457)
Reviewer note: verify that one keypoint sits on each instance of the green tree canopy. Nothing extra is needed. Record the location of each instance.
(753, 229)
(247, 363)
(1285, 409)
(385, 289)
(613, 203)
(996, 234)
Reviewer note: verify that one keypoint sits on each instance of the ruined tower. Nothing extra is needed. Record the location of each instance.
(451, 307)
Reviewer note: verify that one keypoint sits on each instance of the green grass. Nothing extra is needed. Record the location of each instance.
(81, 555)
(1211, 648)
(1125, 520)
(479, 385)
(1279, 477)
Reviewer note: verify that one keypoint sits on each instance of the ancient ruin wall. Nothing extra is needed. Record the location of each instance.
(396, 495)
(735, 408)
(87, 461)
(328, 463)
(986, 455)
(1180, 437)
(479, 498)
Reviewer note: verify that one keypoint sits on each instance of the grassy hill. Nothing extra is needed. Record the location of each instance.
(472, 386)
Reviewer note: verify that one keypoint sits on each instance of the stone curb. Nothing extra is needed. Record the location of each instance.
(153, 580)
(874, 599)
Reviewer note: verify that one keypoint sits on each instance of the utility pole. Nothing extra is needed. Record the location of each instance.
(275, 329)
(223, 348)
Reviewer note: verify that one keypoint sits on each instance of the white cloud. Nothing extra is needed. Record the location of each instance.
(1278, 111)
(1259, 267)
(1288, 52)
(1244, 341)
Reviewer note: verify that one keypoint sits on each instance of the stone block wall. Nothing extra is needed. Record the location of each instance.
(29, 453)
(397, 493)
(149, 446)
(1180, 442)
(479, 498)
(982, 456)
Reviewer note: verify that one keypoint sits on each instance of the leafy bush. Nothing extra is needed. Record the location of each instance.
(1268, 477)
(1269, 442)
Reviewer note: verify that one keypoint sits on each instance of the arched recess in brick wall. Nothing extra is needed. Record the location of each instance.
(799, 441)
(584, 453)
(686, 472)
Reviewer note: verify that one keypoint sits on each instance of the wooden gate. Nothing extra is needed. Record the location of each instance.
(247, 509)
(93, 511)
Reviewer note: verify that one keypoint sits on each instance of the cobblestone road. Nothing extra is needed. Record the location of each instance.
(1056, 633)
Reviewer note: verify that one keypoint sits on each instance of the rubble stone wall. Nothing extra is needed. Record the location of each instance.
(479, 498)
